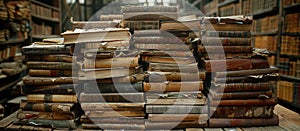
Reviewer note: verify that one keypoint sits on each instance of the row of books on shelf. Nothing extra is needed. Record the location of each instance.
(262, 5)
(266, 24)
(292, 23)
(18, 10)
(211, 7)
(230, 10)
(290, 2)
(289, 91)
(266, 42)
(8, 52)
(289, 67)
(290, 45)
(247, 7)
(44, 11)
(41, 29)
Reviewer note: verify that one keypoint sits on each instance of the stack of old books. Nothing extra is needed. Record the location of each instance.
(239, 88)
(51, 97)
(147, 17)
(112, 96)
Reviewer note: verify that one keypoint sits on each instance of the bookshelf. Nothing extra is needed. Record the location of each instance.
(45, 19)
(276, 27)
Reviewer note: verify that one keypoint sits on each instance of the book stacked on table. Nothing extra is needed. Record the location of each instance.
(147, 17)
(111, 79)
(51, 96)
(239, 88)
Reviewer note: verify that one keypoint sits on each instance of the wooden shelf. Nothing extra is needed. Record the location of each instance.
(227, 2)
(45, 5)
(9, 81)
(44, 36)
(13, 41)
(265, 33)
(291, 33)
(291, 7)
(289, 78)
(290, 56)
(45, 18)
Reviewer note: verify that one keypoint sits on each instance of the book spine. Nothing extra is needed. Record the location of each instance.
(178, 101)
(49, 89)
(149, 9)
(51, 65)
(240, 95)
(226, 41)
(112, 97)
(150, 16)
(225, 49)
(114, 88)
(174, 76)
(92, 25)
(173, 86)
(125, 79)
(241, 34)
(47, 107)
(246, 72)
(105, 114)
(243, 122)
(161, 40)
(241, 87)
(111, 62)
(164, 47)
(32, 98)
(175, 109)
(53, 49)
(114, 126)
(252, 102)
(112, 106)
(141, 25)
(97, 45)
(167, 53)
(50, 73)
(247, 79)
(175, 125)
(242, 111)
(176, 117)
(142, 33)
(177, 60)
(69, 124)
(48, 80)
(51, 58)
(45, 115)
(116, 120)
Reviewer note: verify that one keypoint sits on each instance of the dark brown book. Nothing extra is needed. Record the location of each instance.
(225, 41)
(107, 113)
(51, 98)
(238, 19)
(166, 53)
(36, 49)
(150, 16)
(46, 115)
(235, 64)
(172, 60)
(177, 117)
(28, 80)
(177, 101)
(96, 54)
(112, 106)
(68, 124)
(174, 67)
(246, 72)
(242, 111)
(51, 65)
(49, 89)
(51, 58)
(106, 44)
(112, 97)
(227, 27)
(51, 73)
(243, 122)
(175, 125)
(49, 107)
(140, 25)
(240, 95)
(113, 120)
(126, 9)
(247, 79)
(111, 62)
(122, 79)
(161, 40)
(94, 24)
(176, 109)
(113, 87)
(240, 87)
(226, 55)
(169, 86)
(253, 102)
(105, 73)
(224, 49)
(157, 76)
(143, 33)
(109, 126)
(164, 47)
(174, 95)
(241, 34)
(186, 25)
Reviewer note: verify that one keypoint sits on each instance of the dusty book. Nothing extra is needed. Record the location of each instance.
(111, 17)
(113, 120)
(49, 107)
(156, 76)
(161, 40)
(247, 78)
(240, 34)
(225, 41)
(106, 44)
(49, 89)
(34, 98)
(104, 73)
(161, 33)
(107, 113)
(70, 124)
(166, 53)
(242, 111)
(96, 35)
(173, 67)
(238, 19)
(51, 73)
(113, 87)
(187, 25)
(243, 122)
(239, 95)
(112, 97)
(169, 86)
(52, 65)
(176, 101)
(126, 9)
(240, 87)
(246, 72)
(51, 58)
(110, 126)
(177, 117)
(29, 80)
(112, 106)
(176, 109)
(164, 47)
(46, 115)
(171, 60)
(150, 16)
(36, 49)
(94, 24)
(111, 62)
(122, 79)
(140, 25)
(206, 48)
(240, 102)
(175, 125)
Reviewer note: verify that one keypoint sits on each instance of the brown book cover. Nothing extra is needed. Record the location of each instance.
(49, 89)
(176, 109)
(228, 27)
(166, 53)
(235, 64)
(126, 9)
(122, 79)
(246, 72)
(109, 126)
(242, 111)
(238, 19)
(112, 106)
(113, 87)
(143, 33)
(49, 107)
(169, 86)
(175, 125)
(253, 102)
(177, 117)
(243, 122)
(106, 44)
(175, 95)
(240, 87)
(186, 25)
(28, 80)
(106, 113)
(111, 62)
(224, 49)
(34, 98)
(51, 58)
(111, 17)
(241, 34)
(36, 49)
(247, 78)
(51, 65)
(226, 55)
(176, 101)
(94, 24)
(172, 60)
(164, 47)
(150, 16)
(113, 120)
(225, 41)
(173, 67)
(45, 115)
(140, 25)
(239, 95)
(112, 97)
(156, 76)
(160, 40)
(51, 73)
(105, 73)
